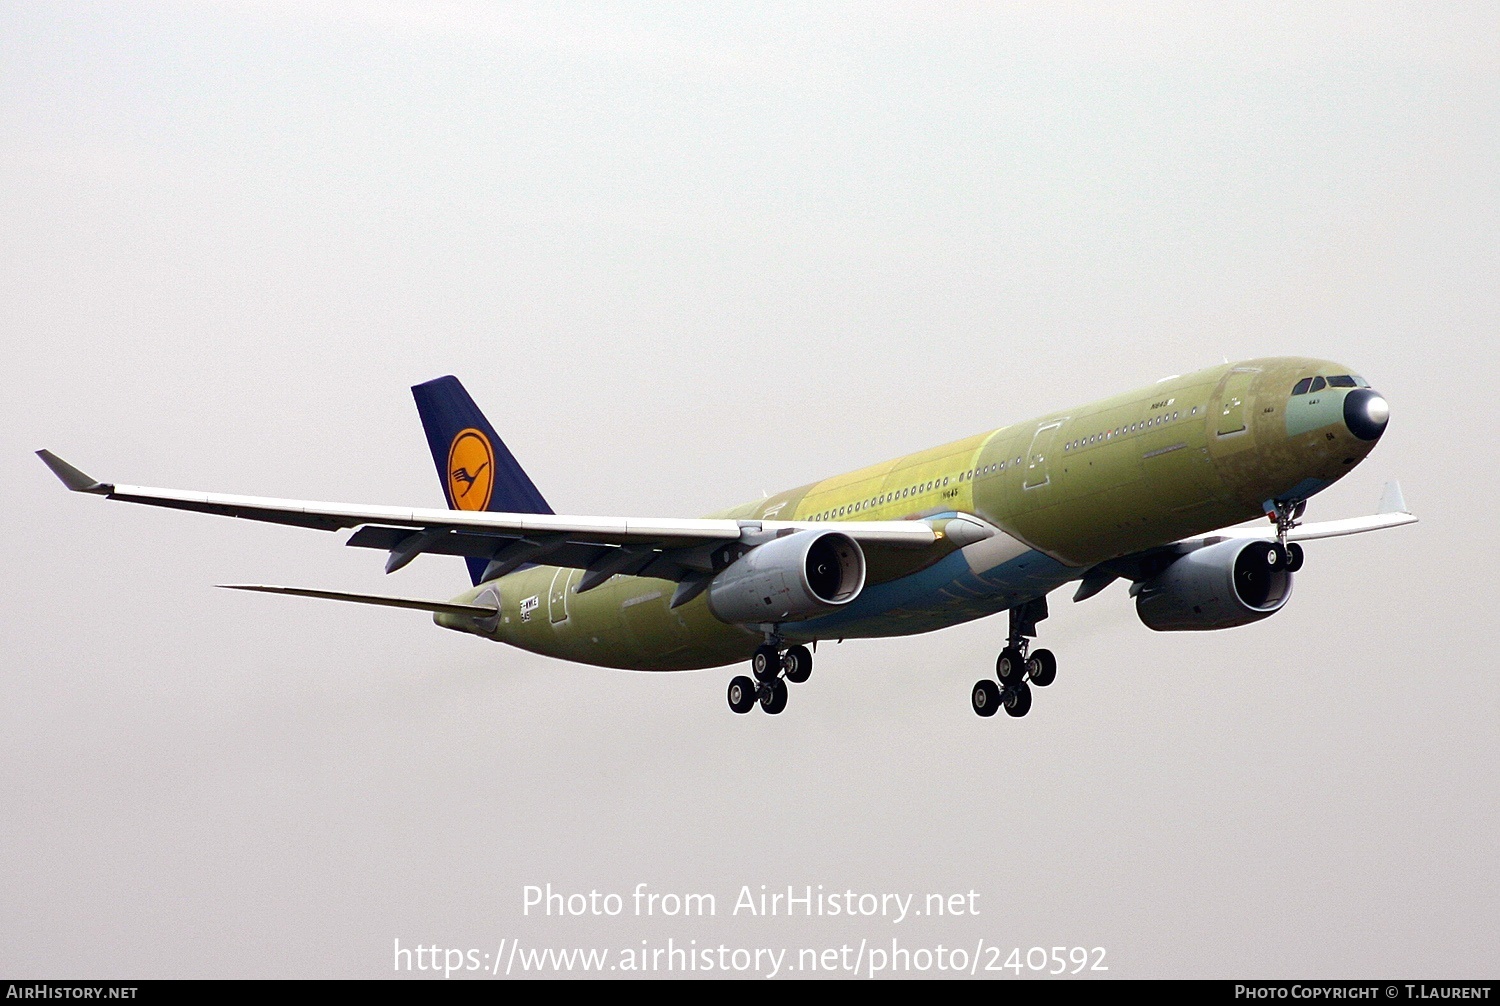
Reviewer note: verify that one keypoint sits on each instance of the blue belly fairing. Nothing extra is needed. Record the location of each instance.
(945, 593)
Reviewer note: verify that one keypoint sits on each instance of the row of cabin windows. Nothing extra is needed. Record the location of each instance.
(910, 491)
(1308, 385)
(1120, 431)
(1305, 386)
(972, 474)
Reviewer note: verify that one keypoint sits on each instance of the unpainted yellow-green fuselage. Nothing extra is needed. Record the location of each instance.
(1181, 457)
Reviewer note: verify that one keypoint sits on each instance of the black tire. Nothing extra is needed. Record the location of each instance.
(1294, 557)
(766, 664)
(741, 694)
(986, 697)
(773, 696)
(1009, 666)
(798, 662)
(1018, 699)
(1279, 556)
(1041, 668)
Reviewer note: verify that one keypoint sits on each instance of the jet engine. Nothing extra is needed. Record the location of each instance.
(1215, 587)
(790, 578)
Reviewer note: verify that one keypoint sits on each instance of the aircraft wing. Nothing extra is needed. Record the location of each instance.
(670, 548)
(1392, 512)
(1321, 529)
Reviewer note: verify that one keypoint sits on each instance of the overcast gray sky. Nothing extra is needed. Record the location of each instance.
(681, 257)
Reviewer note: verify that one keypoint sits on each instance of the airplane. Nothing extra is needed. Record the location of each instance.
(1153, 486)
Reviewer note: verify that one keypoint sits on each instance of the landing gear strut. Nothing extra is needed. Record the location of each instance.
(1286, 515)
(772, 668)
(1018, 667)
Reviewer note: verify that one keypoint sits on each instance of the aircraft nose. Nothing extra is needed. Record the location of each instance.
(1366, 413)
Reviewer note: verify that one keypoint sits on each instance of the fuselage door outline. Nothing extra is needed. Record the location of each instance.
(557, 596)
(1230, 402)
(1037, 465)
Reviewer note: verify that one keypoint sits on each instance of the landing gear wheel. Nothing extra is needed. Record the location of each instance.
(741, 694)
(798, 664)
(1294, 557)
(766, 663)
(986, 697)
(1010, 667)
(1279, 557)
(773, 696)
(1041, 668)
(1018, 699)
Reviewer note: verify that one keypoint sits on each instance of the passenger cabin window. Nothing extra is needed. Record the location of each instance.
(1302, 386)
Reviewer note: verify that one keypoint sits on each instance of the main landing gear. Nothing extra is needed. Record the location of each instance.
(1018, 666)
(772, 668)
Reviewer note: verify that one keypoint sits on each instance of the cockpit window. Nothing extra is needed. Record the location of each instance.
(1302, 386)
(1361, 382)
(1341, 381)
(1318, 384)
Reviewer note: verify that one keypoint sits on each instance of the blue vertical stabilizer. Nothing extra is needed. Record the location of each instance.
(477, 470)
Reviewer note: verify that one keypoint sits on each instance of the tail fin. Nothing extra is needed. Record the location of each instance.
(477, 470)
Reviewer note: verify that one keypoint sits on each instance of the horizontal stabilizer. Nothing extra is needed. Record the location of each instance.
(442, 607)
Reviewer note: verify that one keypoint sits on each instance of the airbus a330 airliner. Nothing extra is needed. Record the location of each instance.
(1142, 487)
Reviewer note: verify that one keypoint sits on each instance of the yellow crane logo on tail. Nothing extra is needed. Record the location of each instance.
(471, 470)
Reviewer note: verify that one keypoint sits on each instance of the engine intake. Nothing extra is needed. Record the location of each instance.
(1216, 587)
(788, 579)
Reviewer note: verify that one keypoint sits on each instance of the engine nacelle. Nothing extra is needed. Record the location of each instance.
(1216, 587)
(787, 579)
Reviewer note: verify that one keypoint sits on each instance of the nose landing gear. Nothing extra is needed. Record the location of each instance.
(772, 669)
(1286, 515)
(1287, 557)
(1018, 667)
